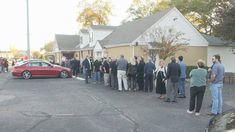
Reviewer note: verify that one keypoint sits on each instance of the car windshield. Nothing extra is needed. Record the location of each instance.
(21, 63)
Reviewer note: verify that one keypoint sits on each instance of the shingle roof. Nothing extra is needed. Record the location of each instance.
(103, 27)
(67, 42)
(130, 31)
(216, 41)
(87, 47)
(84, 31)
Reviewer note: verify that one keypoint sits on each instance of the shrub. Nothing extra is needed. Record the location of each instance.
(190, 68)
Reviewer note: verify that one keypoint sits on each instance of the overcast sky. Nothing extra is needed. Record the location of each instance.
(47, 18)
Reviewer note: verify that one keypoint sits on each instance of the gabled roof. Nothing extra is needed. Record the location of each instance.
(216, 41)
(87, 47)
(102, 27)
(130, 31)
(84, 31)
(67, 42)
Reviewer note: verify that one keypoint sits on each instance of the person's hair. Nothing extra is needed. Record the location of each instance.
(161, 60)
(201, 63)
(173, 59)
(180, 58)
(142, 58)
(135, 57)
(122, 56)
(217, 56)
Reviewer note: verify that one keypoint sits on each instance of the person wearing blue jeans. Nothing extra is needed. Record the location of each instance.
(97, 66)
(217, 76)
(182, 77)
(217, 101)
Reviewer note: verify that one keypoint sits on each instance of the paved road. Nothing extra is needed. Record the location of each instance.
(69, 105)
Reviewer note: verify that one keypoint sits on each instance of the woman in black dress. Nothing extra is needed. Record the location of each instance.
(160, 83)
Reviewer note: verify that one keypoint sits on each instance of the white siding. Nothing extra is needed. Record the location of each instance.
(99, 35)
(98, 51)
(175, 20)
(85, 39)
(98, 47)
(226, 57)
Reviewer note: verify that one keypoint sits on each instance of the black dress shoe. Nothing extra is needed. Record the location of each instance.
(182, 97)
(167, 100)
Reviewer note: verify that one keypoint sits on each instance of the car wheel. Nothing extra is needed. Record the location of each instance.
(26, 75)
(64, 74)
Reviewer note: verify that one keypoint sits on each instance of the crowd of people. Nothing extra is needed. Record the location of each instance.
(168, 80)
(3, 65)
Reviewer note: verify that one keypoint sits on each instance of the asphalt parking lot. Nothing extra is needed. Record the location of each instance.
(70, 105)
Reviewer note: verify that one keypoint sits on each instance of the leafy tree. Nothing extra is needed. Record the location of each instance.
(96, 13)
(36, 55)
(201, 13)
(48, 47)
(226, 19)
(164, 42)
(141, 8)
(14, 51)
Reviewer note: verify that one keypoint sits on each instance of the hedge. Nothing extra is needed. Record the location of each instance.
(190, 68)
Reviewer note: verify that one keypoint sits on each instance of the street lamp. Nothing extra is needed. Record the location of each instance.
(28, 38)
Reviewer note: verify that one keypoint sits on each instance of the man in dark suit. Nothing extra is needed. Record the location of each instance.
(149, 68)
(173, 74)
(86, 68)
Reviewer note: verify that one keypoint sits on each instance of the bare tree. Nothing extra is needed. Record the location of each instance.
(164, 42)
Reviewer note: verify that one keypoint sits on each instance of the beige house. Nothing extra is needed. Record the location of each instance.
(130, 38)
(89, 38)
(65, 46)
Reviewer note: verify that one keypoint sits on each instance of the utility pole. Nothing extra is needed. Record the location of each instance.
(28, 34)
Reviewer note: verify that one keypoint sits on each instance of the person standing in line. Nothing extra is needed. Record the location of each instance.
(182, 77)
(6, 65)
(86, 68)
(91, 69)
(131, 72)
(63, 61)
(172, 77)
(97, 66)
(140, 74)
(216, 80)
(149, 68)
(78, 67)
(161, 82)
(105, 68)
(113, 73)
(121, 73)
(110, 81)
(73, 66)
(198, 78)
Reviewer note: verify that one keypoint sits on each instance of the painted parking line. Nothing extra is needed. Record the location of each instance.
(79, 78)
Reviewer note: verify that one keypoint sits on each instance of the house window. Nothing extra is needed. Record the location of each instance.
(98, 53)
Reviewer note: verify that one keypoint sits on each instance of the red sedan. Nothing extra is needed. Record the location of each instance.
(39, 68)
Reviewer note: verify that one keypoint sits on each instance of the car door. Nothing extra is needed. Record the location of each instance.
(48, 69)
(34, 68)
